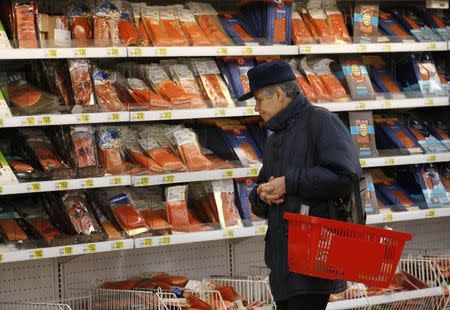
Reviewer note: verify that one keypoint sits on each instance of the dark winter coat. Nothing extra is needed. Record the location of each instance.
(287, 153)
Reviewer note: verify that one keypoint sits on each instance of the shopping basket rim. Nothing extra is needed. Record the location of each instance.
(308, 219)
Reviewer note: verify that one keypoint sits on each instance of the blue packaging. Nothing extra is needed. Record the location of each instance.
(426, 140)
(244, 188)
(440, 131)
(409, 18)
(399, 135)
(427, 75)
(242, 144)
(432, 187)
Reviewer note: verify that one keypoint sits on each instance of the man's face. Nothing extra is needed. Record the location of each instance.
(269, 103)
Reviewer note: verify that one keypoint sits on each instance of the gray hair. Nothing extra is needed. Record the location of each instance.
(290, 88)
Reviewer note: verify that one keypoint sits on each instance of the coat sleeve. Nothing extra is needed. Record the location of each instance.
(335, 153)
(259, 207)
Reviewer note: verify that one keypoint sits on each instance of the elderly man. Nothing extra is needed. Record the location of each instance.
(299, 173)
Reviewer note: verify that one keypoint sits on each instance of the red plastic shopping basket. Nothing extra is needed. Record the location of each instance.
(338, 250)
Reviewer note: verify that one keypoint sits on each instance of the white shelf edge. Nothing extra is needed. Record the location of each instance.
(64, 119)
(62, 185)
(390, 216)
(364, 105)
(386, 161)
(63, 53)
(372, 47)
(195, 51)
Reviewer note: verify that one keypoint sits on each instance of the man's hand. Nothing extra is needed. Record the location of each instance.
(273, 191)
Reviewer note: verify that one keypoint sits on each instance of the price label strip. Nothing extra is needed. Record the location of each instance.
(46, 120)
(118, 245)
(88, 183)
(116, 181)
(62, 185)
(165, 240)
(35, 187)
(30, 121)
(430, 214)
(80, 53)
(162, 51)
(85, 118)
(166, 115)
(168, 179)
(1, 258)
(114, 117)
(147, 242)
(137, 52)
(91, 248)
(67, 250)
(37, 254)
(144, 181)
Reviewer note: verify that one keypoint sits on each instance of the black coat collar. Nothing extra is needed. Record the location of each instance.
(287, 116)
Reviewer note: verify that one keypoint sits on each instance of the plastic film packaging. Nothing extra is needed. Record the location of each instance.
(81, 83)
(85, 156)
(106, 18)
(318, 20)
(365, 22)
(331, 84)
(425, 139)
(336, 22)
(81, 24)
(25, 16)
(192, 29)
(363, 133)
(123, 208)
(105, 92)
(110, 144)
(176, 204)
(306, 88)
(76, 208)
(300, 32)
(432, 187)
(4, 41)
(427, 75)
(145, 97)
(410, 19)
(357, 78)
(224, 198)
(185, 79)
(398, 135)
(189, 149)
(382, 76)
(235, 30)
(11, 230)
(128, 32)
(393, 28)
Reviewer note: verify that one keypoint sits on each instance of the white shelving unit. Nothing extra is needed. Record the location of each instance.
(404, 160)
(64, 52)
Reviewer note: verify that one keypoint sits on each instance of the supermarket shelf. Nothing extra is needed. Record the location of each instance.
(363, 105)
(64, 119)
(386, 217)
(385, 299)
(66, 250)
(191, 114)
(62, 185)
(181, 177)
(63, 52)
(195, 51)
(404, 160)
(372, 48)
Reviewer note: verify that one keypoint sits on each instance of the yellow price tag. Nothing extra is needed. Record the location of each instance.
(81, 52)
(116, 181)
(253, 172)
(91, 248)
(248, 51)
(114, 52)
(387, 47)
(168, 179)
(46, 120)
(430, 213)
(140, 116)
(431, 46)
(261, 230)
(166, 115)
(35, 187)
(85, 118)
(89, 183)
(161, 51)
(30, 121)
(118, 245)
(363, 163)
(148, 242)
(1, 258)
(429, 102)
(223, 51)
(62, 185)
(165, 240)
(68, 250)
(390, 161)
(2, 122)
(221, 113)
(229, 233)
(228, 173)
(1, 189)
(144, 181)
(38, 253)
(115, 117)
(307, 49)
(387, 104)
(249, 111)
(362, 48)
(361, 105)
(388, 217)
(52, 53)
(137, 51)
(431, 158)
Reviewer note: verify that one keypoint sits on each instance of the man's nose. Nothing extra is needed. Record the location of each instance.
(256, 108)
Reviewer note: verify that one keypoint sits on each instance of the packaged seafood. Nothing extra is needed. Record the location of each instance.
(85, 154)
(305, 87)
(393, 28)
(300, 32)
(398, 135)
(106, 19)
(410, 19)
(363, 133)
(279, 16)
(242, 143)
(76, 208)
(128, 31)
(318, 20)
(110, 230)
(124, 210)
(192, 29)
(81, 83)
(163, 156)
(437, 20)
(23, 170)
(10, 226)
(224, 198)
(433, 189)
(425, 139)
(309, 25)
(145, 97)
(6, 173)
(57, 72)
(382, 76)
(427, 75)
(244, 188)
(365, 26)
(203, 204)
(212, 84)
(152, 208)
(336, 22)
(370, 202)
(315, 82)
(235, 30)
(389, 190)
(25, 16)
(238, 68)
(185, 79)
(105, 92)
(357, 78)
(81, 24)
(331, 84)
(111, 154)
(440, 131)
(189, 149)
(176, 204)
(138, 156)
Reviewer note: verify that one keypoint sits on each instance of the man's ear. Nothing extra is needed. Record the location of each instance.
(279, 93)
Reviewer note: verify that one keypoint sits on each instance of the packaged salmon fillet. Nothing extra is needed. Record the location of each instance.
(128, 31)
(208, 20)
(318, 19)
(105, 92)
(11, 227)
(176, 204)
(189, 148)
(84, 152)
(163, 156)
(300, 32)
(163, 26)
(427, 75)
(439, 130)
(382, 76)
(336, 22)
(242, 143)
(106, 30)
(357, 77)
(305, 87)
(81, 24)
(145, 97)
(185, 79)
(332, 86)
(279, 16)
(82, 84)
(433, 188)
(410, 19)
(243, 190)
(203, 204)
(22, 169)
(238, 68)
(110, 230)
(111, 155)
(398, 135)
(192, 29)
(25, 16)
(307, 19)
(76, 208)
(224, 198)
(315, 82)
(425, 139)
(390, 25)
(389, 190)
(57, 73)
(138, 156)
(161, 82)
(212, 84)
(437, 20)
(234, 27)
(363, 133)
(123, 208)
(444, 172)
(365, 22)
